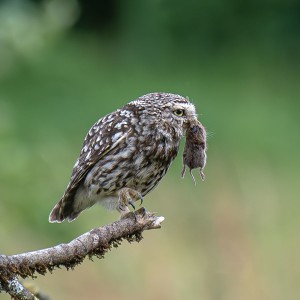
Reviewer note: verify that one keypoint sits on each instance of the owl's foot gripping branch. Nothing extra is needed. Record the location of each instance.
(127, 197)
(96, 242)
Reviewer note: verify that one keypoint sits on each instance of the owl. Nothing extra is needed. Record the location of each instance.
(125, 154)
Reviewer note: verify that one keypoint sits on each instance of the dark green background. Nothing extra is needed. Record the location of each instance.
(64, 64)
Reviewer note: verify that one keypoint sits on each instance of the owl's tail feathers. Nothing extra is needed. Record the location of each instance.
(62, 210)
(56, 215)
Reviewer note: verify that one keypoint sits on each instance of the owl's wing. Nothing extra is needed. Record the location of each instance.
(107, 134)
(103, 137)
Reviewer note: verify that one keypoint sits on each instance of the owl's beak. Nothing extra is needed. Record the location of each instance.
(191, 119)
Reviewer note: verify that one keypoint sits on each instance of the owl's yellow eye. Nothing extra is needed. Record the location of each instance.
(178, 112)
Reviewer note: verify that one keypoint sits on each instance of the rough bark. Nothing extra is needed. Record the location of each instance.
(96, 242)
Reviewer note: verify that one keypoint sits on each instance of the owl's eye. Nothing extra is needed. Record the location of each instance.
(178, 112)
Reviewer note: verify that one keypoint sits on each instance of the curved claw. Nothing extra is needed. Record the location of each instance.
(135, 217)
(143, 211)
(141, 198)
(131, 203)
(122, 208)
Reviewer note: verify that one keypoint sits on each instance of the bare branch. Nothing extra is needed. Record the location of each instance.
(93, 243)
(17, 291)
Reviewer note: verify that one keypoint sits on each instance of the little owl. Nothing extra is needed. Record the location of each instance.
(125, 155)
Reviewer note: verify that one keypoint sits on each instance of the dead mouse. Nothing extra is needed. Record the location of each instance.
(194, 153)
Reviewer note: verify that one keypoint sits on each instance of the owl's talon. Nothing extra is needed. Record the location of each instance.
(141, 198)
(143, 211)
(131, 203)
(135, 217)
(122, 208)
(127, 196)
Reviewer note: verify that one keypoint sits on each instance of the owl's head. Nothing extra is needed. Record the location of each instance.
(167, 108)
(178, 110)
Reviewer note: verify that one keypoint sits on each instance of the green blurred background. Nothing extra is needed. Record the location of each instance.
(65, 63)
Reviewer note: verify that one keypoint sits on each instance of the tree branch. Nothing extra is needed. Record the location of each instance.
(93, 243)
(17, 291)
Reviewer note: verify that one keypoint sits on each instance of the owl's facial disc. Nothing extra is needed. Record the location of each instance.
(184, 111)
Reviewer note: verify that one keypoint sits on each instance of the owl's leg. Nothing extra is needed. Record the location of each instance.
(127, 196)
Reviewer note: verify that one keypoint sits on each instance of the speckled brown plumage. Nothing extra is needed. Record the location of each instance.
(125, 154)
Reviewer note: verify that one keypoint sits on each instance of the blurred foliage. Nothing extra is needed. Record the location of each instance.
(234, 236)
